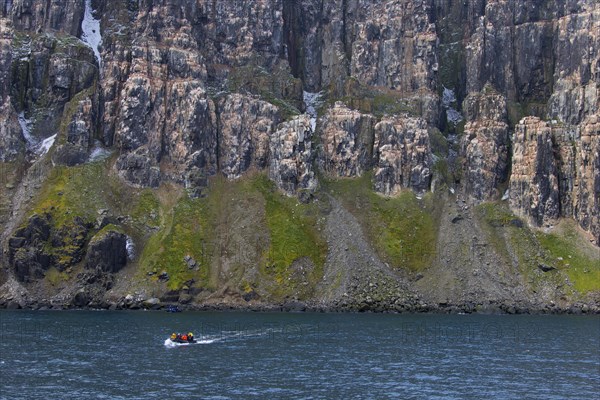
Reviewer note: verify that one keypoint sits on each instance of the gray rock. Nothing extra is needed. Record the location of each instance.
(185, 298)
(107, 251)
(347, 138)
(534, 189)
(402, 155)
(546, 268)
(80, 299)
(163, 276)
(291, 158)
(152, 303)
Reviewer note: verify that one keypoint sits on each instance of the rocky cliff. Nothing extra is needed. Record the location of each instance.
(222, 140)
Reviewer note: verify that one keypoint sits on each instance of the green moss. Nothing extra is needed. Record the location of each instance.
(439, 143)
(402, 228)
(564, 250)
(69, 111)
(147, 209)
(510, 236)
(55, 277)
(377, 100)
(517, 244)
(72, 192)
(71, 199)
(441, 170)
(277, 87)
(185, 233)
(293, 234)
(198, 227)
(108, 228)
(287, 109)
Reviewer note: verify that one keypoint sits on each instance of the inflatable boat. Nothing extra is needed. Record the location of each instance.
(182, 338)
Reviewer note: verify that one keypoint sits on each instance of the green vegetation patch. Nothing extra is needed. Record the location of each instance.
(378, 101)
(565, 250)
(147, 209)
(69, 200)
(277, 87)
(561, 253)
(402, 228)
(293, 233)
(73, 192)
(202, 229)
(56, 277)
(185, 233)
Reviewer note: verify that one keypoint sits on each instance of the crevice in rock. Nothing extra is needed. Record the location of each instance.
(292, 37)
(303, 36)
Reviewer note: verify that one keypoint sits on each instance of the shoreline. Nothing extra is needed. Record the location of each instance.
(490, 308)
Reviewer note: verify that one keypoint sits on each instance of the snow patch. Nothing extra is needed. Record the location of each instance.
(506, 195)
(130, 247)
(46, 145)
(453, 116)
(90, 28)
(448, 98)
(312, 101)
(33, 144)
(99, 153)
(26, 128)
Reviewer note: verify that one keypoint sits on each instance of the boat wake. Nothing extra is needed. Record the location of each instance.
(221, 337)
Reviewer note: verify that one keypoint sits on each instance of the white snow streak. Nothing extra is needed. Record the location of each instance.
(311, 102)
(46, 145)
(90, 28)
(448, 97)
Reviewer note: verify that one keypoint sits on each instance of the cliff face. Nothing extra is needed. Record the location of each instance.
(480, 97)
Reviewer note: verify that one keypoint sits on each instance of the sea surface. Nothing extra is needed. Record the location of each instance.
(125, 355)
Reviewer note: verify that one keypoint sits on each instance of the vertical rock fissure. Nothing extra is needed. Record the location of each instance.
(291, 38)
(303, 38)
(347, 50)
(7, 8)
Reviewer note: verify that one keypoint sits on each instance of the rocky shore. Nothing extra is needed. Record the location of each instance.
(155, 304)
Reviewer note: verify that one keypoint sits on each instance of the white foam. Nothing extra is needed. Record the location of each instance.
(90, 28)
(311, 102)
(171, 344)
(224, 336)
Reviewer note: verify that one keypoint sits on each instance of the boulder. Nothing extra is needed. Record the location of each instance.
(81, 299)
(152, 303)
(107, 251)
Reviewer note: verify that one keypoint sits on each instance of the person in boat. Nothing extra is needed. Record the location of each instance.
(190, 337)
(173, 336)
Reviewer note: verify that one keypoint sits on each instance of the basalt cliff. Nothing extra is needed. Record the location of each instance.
(388, 155)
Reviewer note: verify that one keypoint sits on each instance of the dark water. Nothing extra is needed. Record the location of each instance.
(122, 355)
